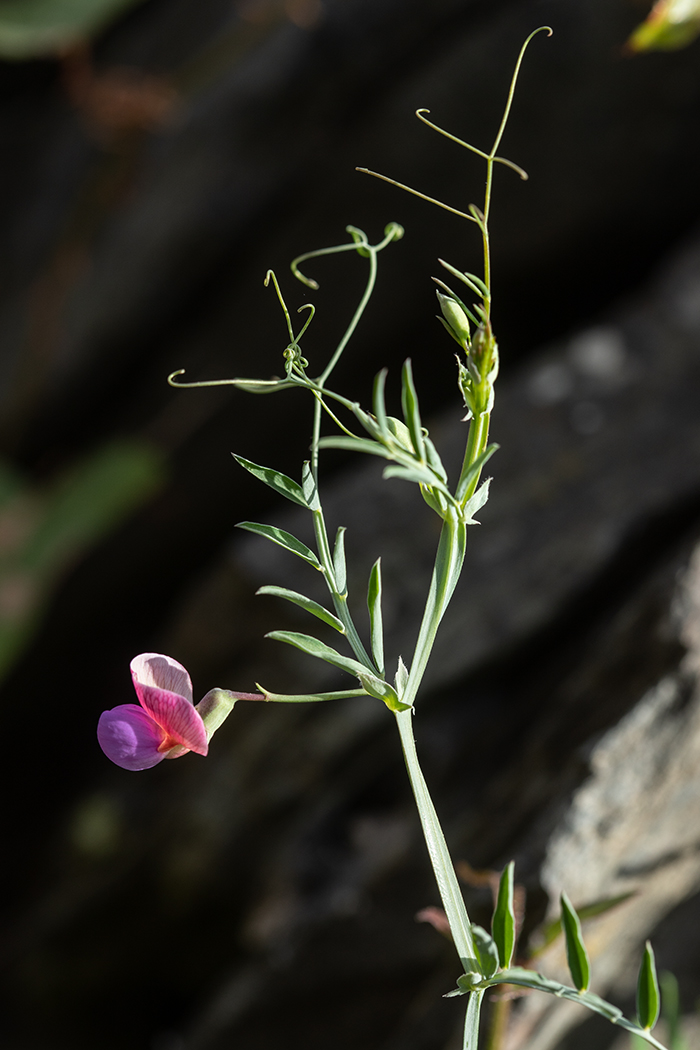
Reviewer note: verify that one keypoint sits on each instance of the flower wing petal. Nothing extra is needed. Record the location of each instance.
(130, 738)
(162, 672)
(176, 716)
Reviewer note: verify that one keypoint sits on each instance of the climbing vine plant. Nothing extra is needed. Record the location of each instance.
(167, 724)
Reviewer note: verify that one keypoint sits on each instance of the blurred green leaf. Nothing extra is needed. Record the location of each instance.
(576, 954)
(648, 998)
(503, 921)
(90, 499)
(39, 28)
(670, 25)
(671, 1011)
(44, 530)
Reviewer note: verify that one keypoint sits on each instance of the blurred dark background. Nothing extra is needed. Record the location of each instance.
(153, 168)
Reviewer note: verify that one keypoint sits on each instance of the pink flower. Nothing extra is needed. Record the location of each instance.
(166, 725)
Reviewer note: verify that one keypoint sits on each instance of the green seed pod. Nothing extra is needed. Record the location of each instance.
(456, 318)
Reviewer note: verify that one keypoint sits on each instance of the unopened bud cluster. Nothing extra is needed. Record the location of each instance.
(478, 375)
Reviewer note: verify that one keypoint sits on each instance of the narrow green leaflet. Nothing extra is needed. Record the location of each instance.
(475, 470)
(307, 698)
(411, 412)
(314, 647)
(434, 500)
(408, 467)
(378, 402)
(374, 605)
(417, 473)
(339, 564)
(470, 279)
(353, 444)
(304, 603)
(503, 922)
(648, 998)
(576, 954)
(486, 951)
(279, 482)
(309, 488)
(434, 460)
(382, 690)
(284, 539)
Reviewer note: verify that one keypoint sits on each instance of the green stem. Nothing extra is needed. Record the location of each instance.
(471, 1021)
(369, 288)
(486, 236)
(371, 251)
(449, 559)
(476, 444)
(445, 875)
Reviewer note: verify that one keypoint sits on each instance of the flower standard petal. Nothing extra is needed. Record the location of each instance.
(130, 738)
(163, 672)
(176, 716)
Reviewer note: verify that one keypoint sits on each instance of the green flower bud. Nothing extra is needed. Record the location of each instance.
(455, 318)
(483, 348)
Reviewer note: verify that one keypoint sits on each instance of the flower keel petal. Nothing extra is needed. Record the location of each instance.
(130, 738)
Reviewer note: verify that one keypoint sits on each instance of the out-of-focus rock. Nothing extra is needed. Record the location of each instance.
(630, 828)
